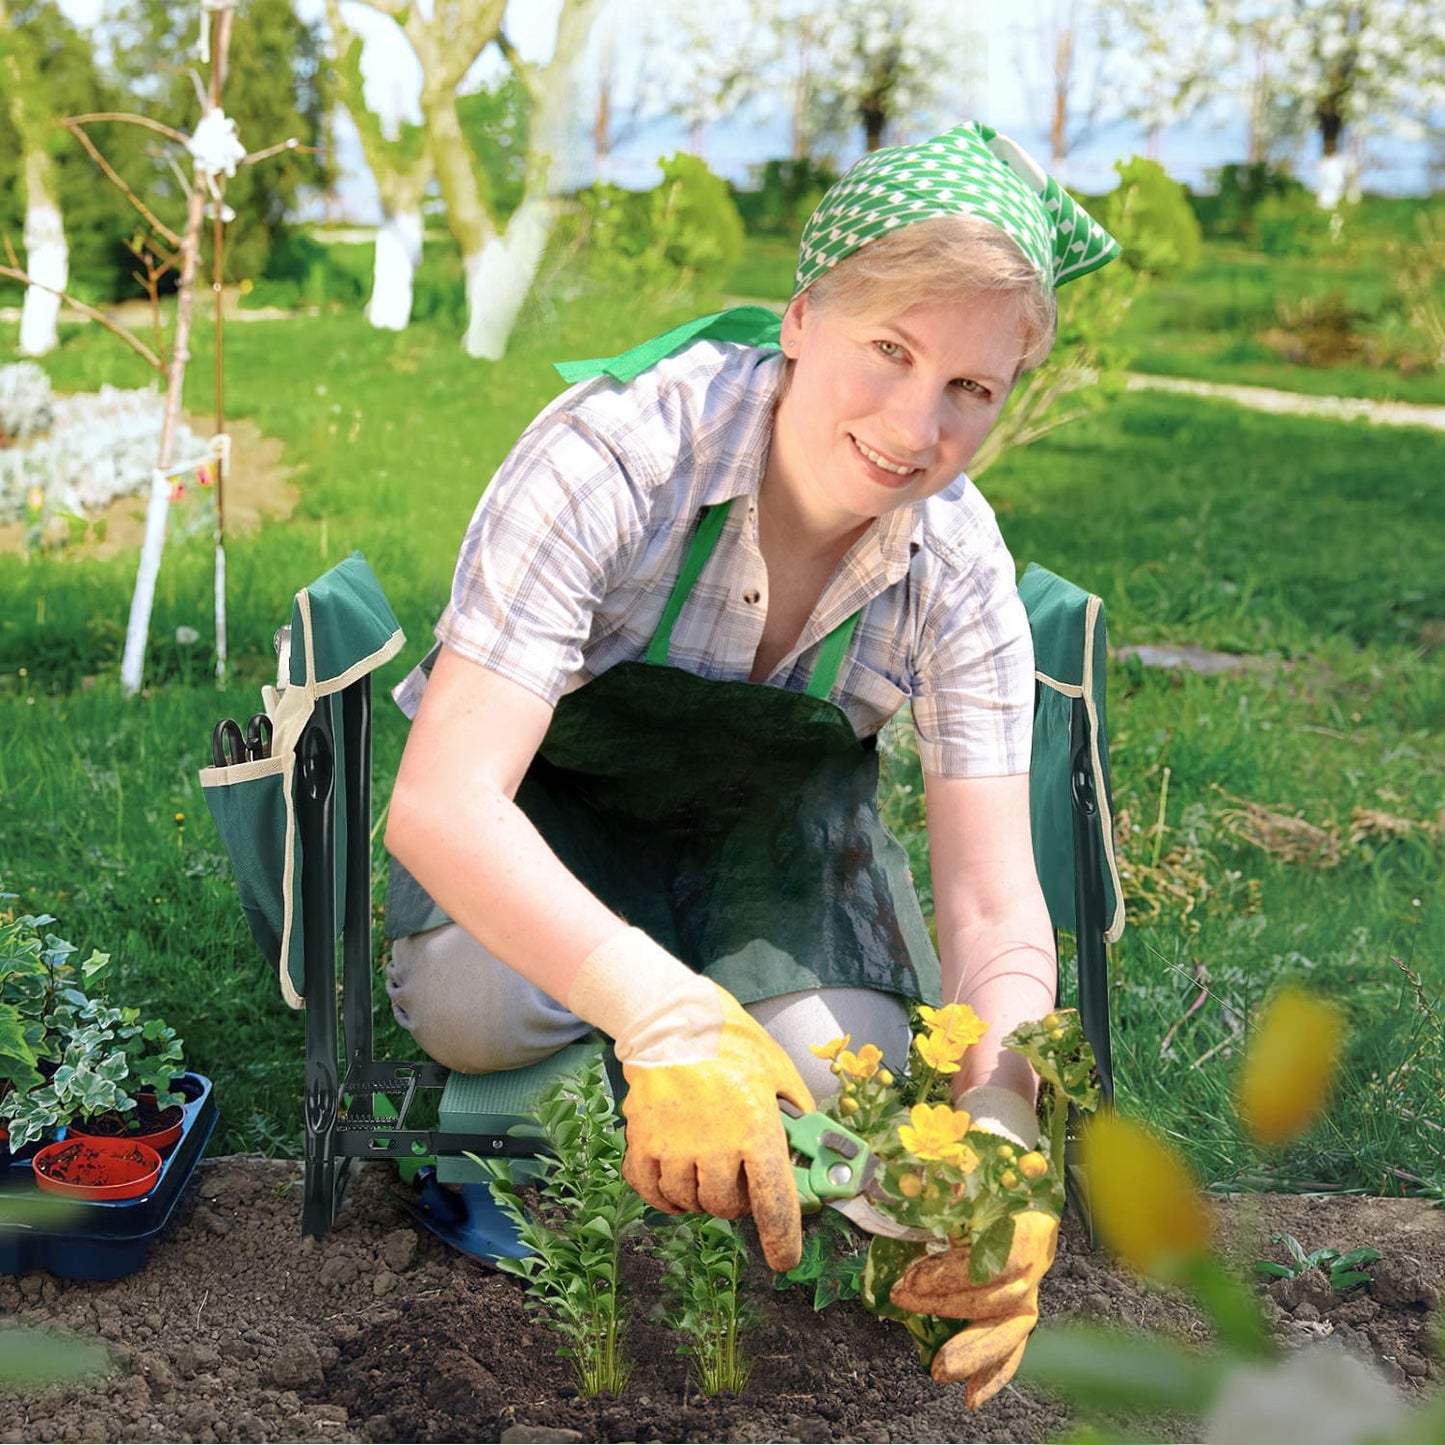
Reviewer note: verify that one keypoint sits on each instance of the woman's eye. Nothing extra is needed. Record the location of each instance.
(889, 348)
(974, 388)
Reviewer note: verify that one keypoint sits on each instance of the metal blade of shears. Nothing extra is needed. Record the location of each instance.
(838, 1170)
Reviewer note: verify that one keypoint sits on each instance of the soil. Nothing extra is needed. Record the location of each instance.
(238, 1329)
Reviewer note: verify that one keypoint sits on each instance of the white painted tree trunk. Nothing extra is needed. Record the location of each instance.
(500, 275)
(47, 260)
(394, 266)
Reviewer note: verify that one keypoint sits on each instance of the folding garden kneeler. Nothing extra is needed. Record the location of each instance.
(297, 826)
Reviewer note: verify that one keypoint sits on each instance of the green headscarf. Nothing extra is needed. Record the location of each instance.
(970, 170)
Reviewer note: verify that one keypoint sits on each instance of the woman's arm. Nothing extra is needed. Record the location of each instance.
(454, 827)
(995, 940)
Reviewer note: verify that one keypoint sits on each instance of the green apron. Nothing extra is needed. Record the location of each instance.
(735, 823)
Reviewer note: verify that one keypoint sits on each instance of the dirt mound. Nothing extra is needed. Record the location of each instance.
(238, 1329)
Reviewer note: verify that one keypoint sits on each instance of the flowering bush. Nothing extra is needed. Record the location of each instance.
(953, 1184)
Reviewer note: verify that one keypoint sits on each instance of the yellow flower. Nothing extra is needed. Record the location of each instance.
(937, 1053)
(1146, 1206)
(956, 1022)
(936, 1132)
(832, 1049)
(1289, 1064)
(862, 1065)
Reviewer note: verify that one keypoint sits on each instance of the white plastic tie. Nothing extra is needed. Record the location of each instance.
(216, 147)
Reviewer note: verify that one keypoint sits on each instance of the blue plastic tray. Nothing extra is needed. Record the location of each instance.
(107, 1239)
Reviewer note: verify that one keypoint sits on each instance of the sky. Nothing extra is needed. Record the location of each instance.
(1189, 152)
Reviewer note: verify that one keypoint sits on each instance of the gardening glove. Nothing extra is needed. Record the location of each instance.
(1002, 1312)
(703, 1127)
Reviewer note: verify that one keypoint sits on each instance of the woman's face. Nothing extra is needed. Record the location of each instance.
(883, 412)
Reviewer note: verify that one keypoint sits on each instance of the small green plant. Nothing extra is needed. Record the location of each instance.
(833, 1261)
(63, 1054)
(704, 1261)
(1344, 1269)
(583, 1214)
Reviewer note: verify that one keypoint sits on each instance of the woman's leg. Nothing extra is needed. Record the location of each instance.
(468, 1010)
(802, 1021)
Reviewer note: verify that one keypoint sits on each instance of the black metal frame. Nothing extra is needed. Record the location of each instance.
(341, 1120)
(1090, 903)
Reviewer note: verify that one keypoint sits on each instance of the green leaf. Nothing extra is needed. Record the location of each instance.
(1348, 1280)
(1268, 1266)
(1356, 1257)
(1111, 1370)
(989, 1251)
(1230, 1304)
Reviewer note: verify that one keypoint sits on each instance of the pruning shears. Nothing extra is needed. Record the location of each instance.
(835, 1167)
(229, 745)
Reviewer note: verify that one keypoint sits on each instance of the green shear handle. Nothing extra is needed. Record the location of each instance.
(839, 1165)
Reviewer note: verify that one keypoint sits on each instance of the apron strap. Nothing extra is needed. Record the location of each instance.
(830, 657)
(699, 550)
(709, 529)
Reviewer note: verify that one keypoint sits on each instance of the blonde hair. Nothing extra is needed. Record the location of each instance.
(942, 259)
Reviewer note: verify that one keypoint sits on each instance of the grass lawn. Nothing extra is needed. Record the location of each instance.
(1281, 821)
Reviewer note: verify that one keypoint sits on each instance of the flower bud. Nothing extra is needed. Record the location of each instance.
(1056, 1035)
(910, 1186)
(1009, 1179)
(1033, 1165)
(847, 1106)
(885, 1078)
(1050, 1021)
(1007, 1153)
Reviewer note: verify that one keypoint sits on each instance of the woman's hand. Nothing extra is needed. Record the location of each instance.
(704, 1079)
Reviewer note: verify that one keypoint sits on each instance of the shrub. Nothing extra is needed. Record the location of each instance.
(684, 234)
(1292, 225)
(1241, 188)
(785, 194)
(1149, 214)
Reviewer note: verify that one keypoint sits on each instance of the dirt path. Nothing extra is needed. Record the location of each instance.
(238, 1329)
(1266, 398)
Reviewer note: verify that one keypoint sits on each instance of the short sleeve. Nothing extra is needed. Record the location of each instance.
(973, 693)
(556, 525)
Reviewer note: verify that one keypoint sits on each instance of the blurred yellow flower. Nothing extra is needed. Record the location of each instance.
(936, 1132)
(862, 1065)
(1144, 1202)
(1289, 1064)
(833, 1048)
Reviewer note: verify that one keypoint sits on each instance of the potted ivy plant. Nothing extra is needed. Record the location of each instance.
(67, 1057)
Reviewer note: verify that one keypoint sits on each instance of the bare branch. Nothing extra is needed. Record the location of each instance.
(292, 144)
(73, 125)
(179, 136)
(134, 342)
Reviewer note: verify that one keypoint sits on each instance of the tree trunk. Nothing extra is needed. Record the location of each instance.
(394, 263)
(47, 257)
(500, 269)
(500, 275)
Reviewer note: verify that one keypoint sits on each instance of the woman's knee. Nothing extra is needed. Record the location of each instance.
(800, 1022)
(469, 1010)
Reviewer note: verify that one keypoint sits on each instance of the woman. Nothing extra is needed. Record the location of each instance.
(638, 793)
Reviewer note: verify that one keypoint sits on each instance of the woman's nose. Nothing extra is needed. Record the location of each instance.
(914, 421)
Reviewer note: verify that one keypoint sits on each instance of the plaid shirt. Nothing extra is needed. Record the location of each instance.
(574, 547)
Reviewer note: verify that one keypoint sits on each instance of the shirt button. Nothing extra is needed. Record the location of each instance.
(752, 596)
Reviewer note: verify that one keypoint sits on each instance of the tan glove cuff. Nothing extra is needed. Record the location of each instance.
(1000, 1111)
(652, 1005)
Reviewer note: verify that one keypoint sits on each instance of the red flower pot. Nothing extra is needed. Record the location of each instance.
(102, 1169)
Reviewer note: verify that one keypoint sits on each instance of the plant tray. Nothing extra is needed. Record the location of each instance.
(106, 1240)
